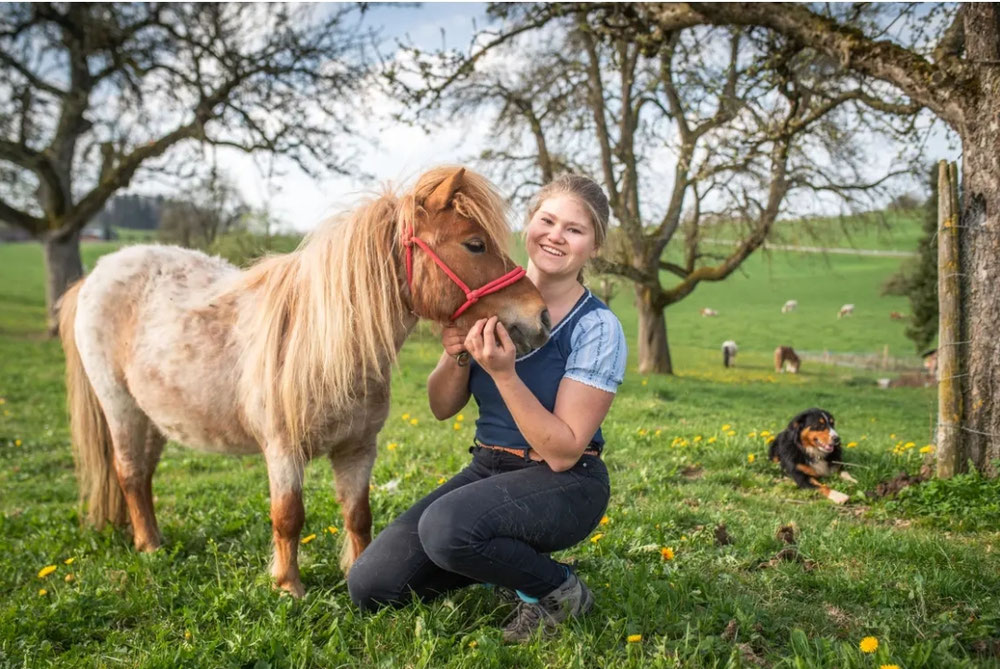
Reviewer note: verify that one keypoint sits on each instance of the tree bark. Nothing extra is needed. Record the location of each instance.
(654, 350)
(63, 266)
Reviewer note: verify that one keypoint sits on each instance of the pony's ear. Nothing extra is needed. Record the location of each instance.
(439, 199)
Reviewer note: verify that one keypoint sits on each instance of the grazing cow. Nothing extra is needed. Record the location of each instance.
(896, 316)
(709, 312)
(845, 310)
(790, 305)
(729, 353)
(784, 356)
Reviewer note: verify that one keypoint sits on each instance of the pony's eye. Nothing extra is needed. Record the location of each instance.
(475, 246)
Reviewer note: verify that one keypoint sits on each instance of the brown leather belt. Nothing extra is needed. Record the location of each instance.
(523, 453)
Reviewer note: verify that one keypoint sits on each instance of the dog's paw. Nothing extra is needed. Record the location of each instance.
(837, 497)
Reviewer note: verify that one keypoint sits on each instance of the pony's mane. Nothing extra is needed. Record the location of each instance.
(328, 318)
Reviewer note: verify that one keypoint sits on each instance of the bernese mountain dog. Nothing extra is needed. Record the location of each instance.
(808, 450)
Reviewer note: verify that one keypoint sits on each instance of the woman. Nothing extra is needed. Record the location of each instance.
(536, 483)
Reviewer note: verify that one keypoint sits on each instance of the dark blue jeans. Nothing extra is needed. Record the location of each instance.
(493, 522)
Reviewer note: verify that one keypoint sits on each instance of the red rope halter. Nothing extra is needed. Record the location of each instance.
(471, 296)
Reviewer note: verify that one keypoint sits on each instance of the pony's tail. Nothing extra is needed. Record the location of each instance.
(91, 438)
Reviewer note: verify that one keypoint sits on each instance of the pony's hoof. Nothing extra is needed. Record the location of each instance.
(293, 588)
(147, 545)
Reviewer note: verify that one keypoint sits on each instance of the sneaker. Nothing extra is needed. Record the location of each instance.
(571, 599)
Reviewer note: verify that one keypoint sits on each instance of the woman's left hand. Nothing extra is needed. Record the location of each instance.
(491, 346)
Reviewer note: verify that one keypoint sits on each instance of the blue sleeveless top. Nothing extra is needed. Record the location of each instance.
(588, 346)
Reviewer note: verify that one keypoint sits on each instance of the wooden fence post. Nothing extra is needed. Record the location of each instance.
(949, 434)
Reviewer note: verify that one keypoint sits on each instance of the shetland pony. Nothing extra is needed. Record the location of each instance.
(290, 358)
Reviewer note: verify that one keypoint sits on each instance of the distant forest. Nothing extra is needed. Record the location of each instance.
(135, 212)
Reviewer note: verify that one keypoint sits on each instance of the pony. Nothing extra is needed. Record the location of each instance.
(290, 358)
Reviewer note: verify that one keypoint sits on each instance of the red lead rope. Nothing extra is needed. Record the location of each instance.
(471, 296)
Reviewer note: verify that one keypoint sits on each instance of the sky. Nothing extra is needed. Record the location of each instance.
(398, 153)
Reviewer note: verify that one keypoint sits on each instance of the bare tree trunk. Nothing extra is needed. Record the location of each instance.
(62, 267)
(981, 249)
(654, 350)
(950, 455)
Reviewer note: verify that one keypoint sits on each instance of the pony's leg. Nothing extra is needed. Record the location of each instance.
(352, 472)
(284, 472)
(137, 448)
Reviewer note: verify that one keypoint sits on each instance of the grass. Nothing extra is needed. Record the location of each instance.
(920, 573)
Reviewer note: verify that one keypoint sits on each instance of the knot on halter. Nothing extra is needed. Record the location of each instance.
(471, 296)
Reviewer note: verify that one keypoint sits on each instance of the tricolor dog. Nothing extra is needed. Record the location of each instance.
(808, 450)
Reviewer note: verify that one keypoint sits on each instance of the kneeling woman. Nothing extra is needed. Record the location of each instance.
(536, 483)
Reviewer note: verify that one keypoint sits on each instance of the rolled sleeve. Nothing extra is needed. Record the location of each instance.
(598, 352)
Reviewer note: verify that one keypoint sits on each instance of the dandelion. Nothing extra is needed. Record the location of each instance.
(667, 553)
(441, 480)
(17, 442)
(731, 433)
(765, 433)
(889, 666)
(69, 578)
(868, 645)
(725, 427)
(909, 444)
(711, 440)
(634, 638)
(2, 401)
(460, 418)
(69, 560)
(414, 421)
(643, 432)
(752, 434)
(645, 382)
(891, 436)
(392, 446)
(473, 644)
(751, 457)
(684, 537)
(187, 634)
(45, 571)
(406, 416)
(306, 540)
(769, 440)
(332, 530)
(852, 444)
(456, 426)
(597, 537)
(605, 520)
(929, 448)
(657, 433)
(43, 592)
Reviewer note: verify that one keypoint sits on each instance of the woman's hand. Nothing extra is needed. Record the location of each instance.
(491, 346)
(453, 339)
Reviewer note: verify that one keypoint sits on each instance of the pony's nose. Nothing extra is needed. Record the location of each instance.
(546, 320)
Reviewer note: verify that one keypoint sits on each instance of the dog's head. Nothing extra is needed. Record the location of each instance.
(814, 429)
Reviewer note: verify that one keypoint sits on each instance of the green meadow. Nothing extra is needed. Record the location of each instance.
(919, 573)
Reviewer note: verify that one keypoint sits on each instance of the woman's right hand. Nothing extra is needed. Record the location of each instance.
(453, 339)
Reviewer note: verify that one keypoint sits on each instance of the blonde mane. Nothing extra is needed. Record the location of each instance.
(328, 318)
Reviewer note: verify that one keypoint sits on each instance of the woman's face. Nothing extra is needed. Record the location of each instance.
(560, 236)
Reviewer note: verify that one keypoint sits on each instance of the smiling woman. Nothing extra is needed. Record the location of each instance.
(536, 483)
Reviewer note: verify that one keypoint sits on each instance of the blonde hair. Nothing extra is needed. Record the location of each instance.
(584, 190)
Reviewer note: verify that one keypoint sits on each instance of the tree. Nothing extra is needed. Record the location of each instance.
(212, 207)
(710, 132)
(922, 283)
(957, 78)
(91, 93)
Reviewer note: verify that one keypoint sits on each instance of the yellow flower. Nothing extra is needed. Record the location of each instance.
(459, 418)
(868, 645)
(456, 426)
(769, 440)
(306, 540)
(852, 444)
(597, 537)
(17, 442)
(634, 638)
(441, 480)
(392, 446)
(332, 530)
(69, 578)
(731, 433)
(765, 433)
(473, 644)
(2, 401)
(696, 438)
(711, 440)
(891, 436)
(45, 571)
(605, 520)
(909, 444)
(751, 457)
(406, 416)
(929, 448)
(725, 427)
(187, 634)
(752, 434)
(889, 666)
(657, 433)
(69, 560)
(414, 421)
(667, 553)
(643, 432)
(43, 592)
(645, 382)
